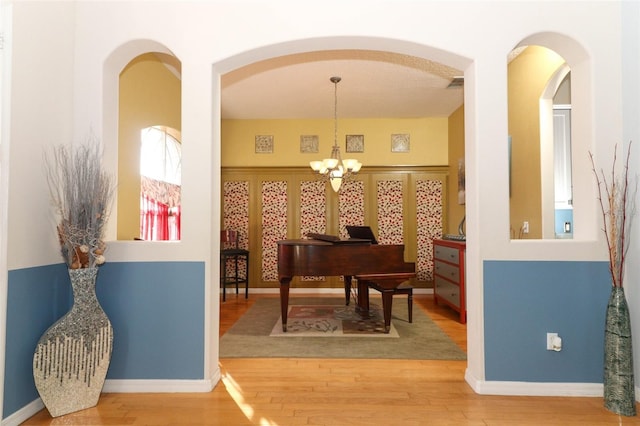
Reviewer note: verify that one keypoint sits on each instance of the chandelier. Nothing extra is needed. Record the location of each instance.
(335, 169)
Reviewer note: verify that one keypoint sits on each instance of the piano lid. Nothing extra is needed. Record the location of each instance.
(334, 239)
(362, 232)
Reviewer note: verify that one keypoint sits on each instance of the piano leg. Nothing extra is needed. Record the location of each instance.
(387, 301)
(284, 301)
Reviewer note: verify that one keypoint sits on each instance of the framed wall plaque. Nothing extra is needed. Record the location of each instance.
(264, 144)
(355, 143)
(309, 143)
(400, 142)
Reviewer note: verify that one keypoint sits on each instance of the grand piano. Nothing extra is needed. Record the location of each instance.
(347, 258)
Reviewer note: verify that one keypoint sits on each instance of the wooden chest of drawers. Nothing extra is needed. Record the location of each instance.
(449, 274)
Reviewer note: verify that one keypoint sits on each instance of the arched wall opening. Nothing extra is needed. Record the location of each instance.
(149, 96)
(529, 74)
(117, 61)
(302, 46)
(579, 64)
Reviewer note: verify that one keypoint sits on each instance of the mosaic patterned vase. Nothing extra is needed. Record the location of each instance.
(72, 357)
(619, 391)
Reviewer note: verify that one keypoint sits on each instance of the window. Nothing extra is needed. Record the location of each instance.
(160, 180)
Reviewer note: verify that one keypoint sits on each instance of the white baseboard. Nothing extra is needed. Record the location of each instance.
(24, 413)
(124, 386)
(535, 389)
(160, 386)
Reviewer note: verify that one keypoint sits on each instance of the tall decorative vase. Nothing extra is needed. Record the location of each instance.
(619, 391)
(72, 357)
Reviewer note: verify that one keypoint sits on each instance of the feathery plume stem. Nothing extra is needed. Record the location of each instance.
(617, 210)
(81, 192)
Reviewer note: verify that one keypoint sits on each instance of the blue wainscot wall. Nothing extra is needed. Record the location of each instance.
(525, 300)
(156, 309)
(36, 298)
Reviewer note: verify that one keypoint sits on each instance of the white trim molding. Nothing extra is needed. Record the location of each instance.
(24, 413)
(160, 386)
(535, 388)
(124, 386)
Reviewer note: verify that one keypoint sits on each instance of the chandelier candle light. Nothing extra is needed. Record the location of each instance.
(335, 169)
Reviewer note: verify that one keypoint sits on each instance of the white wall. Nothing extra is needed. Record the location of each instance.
(214, 37)
(41, 108)
(5, 86)
(36, 111)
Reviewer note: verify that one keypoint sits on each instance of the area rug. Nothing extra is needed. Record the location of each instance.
(250, 336)
(332, 321)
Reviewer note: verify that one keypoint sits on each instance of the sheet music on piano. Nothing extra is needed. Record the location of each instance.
(335, 239)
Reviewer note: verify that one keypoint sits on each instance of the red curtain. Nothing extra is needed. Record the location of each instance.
(174, 223)
(157, 221)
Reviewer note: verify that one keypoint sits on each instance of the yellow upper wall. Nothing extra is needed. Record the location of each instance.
(428, 141)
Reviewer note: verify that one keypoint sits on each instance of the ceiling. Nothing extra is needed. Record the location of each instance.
(374, 84)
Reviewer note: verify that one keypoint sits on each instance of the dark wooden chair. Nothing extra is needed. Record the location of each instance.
(234, 263)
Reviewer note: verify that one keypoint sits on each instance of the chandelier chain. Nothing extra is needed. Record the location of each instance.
(334, 169)
(335, 80)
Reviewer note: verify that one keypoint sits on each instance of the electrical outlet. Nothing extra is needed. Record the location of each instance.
(554, 342)
(550, 337)
(525, 227)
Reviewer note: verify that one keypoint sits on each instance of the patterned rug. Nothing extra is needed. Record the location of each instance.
(250, 336)
(332, 321)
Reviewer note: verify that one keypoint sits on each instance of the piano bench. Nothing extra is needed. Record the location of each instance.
(403, 288)
(385, 283)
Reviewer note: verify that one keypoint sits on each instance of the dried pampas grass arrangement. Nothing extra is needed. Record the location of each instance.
(82, 193)
(618, 208)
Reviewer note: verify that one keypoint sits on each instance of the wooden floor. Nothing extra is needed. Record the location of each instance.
(340, 392)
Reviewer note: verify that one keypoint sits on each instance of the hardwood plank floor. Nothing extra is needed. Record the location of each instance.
(340, 392)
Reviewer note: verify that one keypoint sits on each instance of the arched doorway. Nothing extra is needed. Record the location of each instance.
(240, 64)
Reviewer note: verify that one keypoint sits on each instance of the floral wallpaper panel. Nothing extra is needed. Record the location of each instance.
(274, 225)
(313, 212)
(428, 225)
(313, 207)
(350, 205)
(390, 215)
(235, 215)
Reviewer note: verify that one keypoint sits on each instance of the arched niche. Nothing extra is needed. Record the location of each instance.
(546, 71)
(144, 81)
